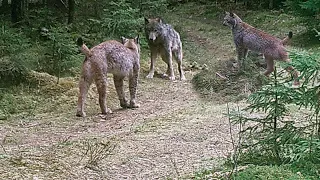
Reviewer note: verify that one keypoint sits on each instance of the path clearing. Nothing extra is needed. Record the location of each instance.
(173, 134)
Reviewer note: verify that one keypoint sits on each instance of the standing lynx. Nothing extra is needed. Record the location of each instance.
(247, 38)
(119, 59)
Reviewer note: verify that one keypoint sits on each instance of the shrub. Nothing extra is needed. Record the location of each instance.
(272, 138)
(14, 61)
(62, 52)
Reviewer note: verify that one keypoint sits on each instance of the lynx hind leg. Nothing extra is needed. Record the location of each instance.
(178, 56)
(133, 83)
(101, 82)
(118, 83)
(293, 72)
(270, 66)
(84, 85)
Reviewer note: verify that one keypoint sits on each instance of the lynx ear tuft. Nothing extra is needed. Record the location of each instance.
(231, 14)
(123, 40)
(159, 20)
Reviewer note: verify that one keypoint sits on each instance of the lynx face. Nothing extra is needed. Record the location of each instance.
(231, 20)
(133, 44)
(153, 28)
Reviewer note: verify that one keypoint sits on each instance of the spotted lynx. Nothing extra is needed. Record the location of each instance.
(247, 38)
(119, 59)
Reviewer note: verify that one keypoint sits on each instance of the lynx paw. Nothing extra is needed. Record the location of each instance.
(296, 83)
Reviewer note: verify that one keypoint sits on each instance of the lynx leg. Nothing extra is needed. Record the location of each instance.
(154, 55)
(84, 84)
(133, 82)
(270, 66)
(118, 83)
(178, 57)
(241, 55)
(294, 73)
(245, 53)
(101, 82)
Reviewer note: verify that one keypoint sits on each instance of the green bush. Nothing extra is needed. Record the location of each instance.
(267, 172)
(14, 61)
(61, 52)
(121, 19)
(309, 9)
(270, 138)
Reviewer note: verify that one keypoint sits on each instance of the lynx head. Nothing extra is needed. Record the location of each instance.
(153, 28)
(133, 44)
(231, 20)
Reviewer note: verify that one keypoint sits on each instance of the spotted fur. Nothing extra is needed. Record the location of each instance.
(164, 40)
(119, 59)
(247, 38)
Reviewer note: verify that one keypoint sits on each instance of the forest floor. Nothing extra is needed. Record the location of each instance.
(174, 133)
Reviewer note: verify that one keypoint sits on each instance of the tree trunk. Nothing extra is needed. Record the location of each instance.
(5, 7)
(71, 4)
(15, 10)
(18, 10)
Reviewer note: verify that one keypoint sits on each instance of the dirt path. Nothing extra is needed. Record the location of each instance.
(173, 134)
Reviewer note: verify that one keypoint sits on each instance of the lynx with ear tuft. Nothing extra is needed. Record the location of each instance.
(247, 38)
(120, 59)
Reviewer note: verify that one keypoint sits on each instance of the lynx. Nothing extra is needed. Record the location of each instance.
(119, 59)
(247, 38)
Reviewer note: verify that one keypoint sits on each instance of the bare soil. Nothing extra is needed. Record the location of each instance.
(172, 135)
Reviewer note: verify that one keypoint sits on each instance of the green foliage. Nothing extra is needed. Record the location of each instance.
(270, 138)
(153, 8)
(13, 56)
(308, 9)
(62, 52)
(121, 19)
(15, 103)
(318, 33)
(308, 94)
(267, 172)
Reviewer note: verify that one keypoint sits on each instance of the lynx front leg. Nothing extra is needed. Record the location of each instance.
(154, 55)
(133, 83)
(242, 54)
(118, 83)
